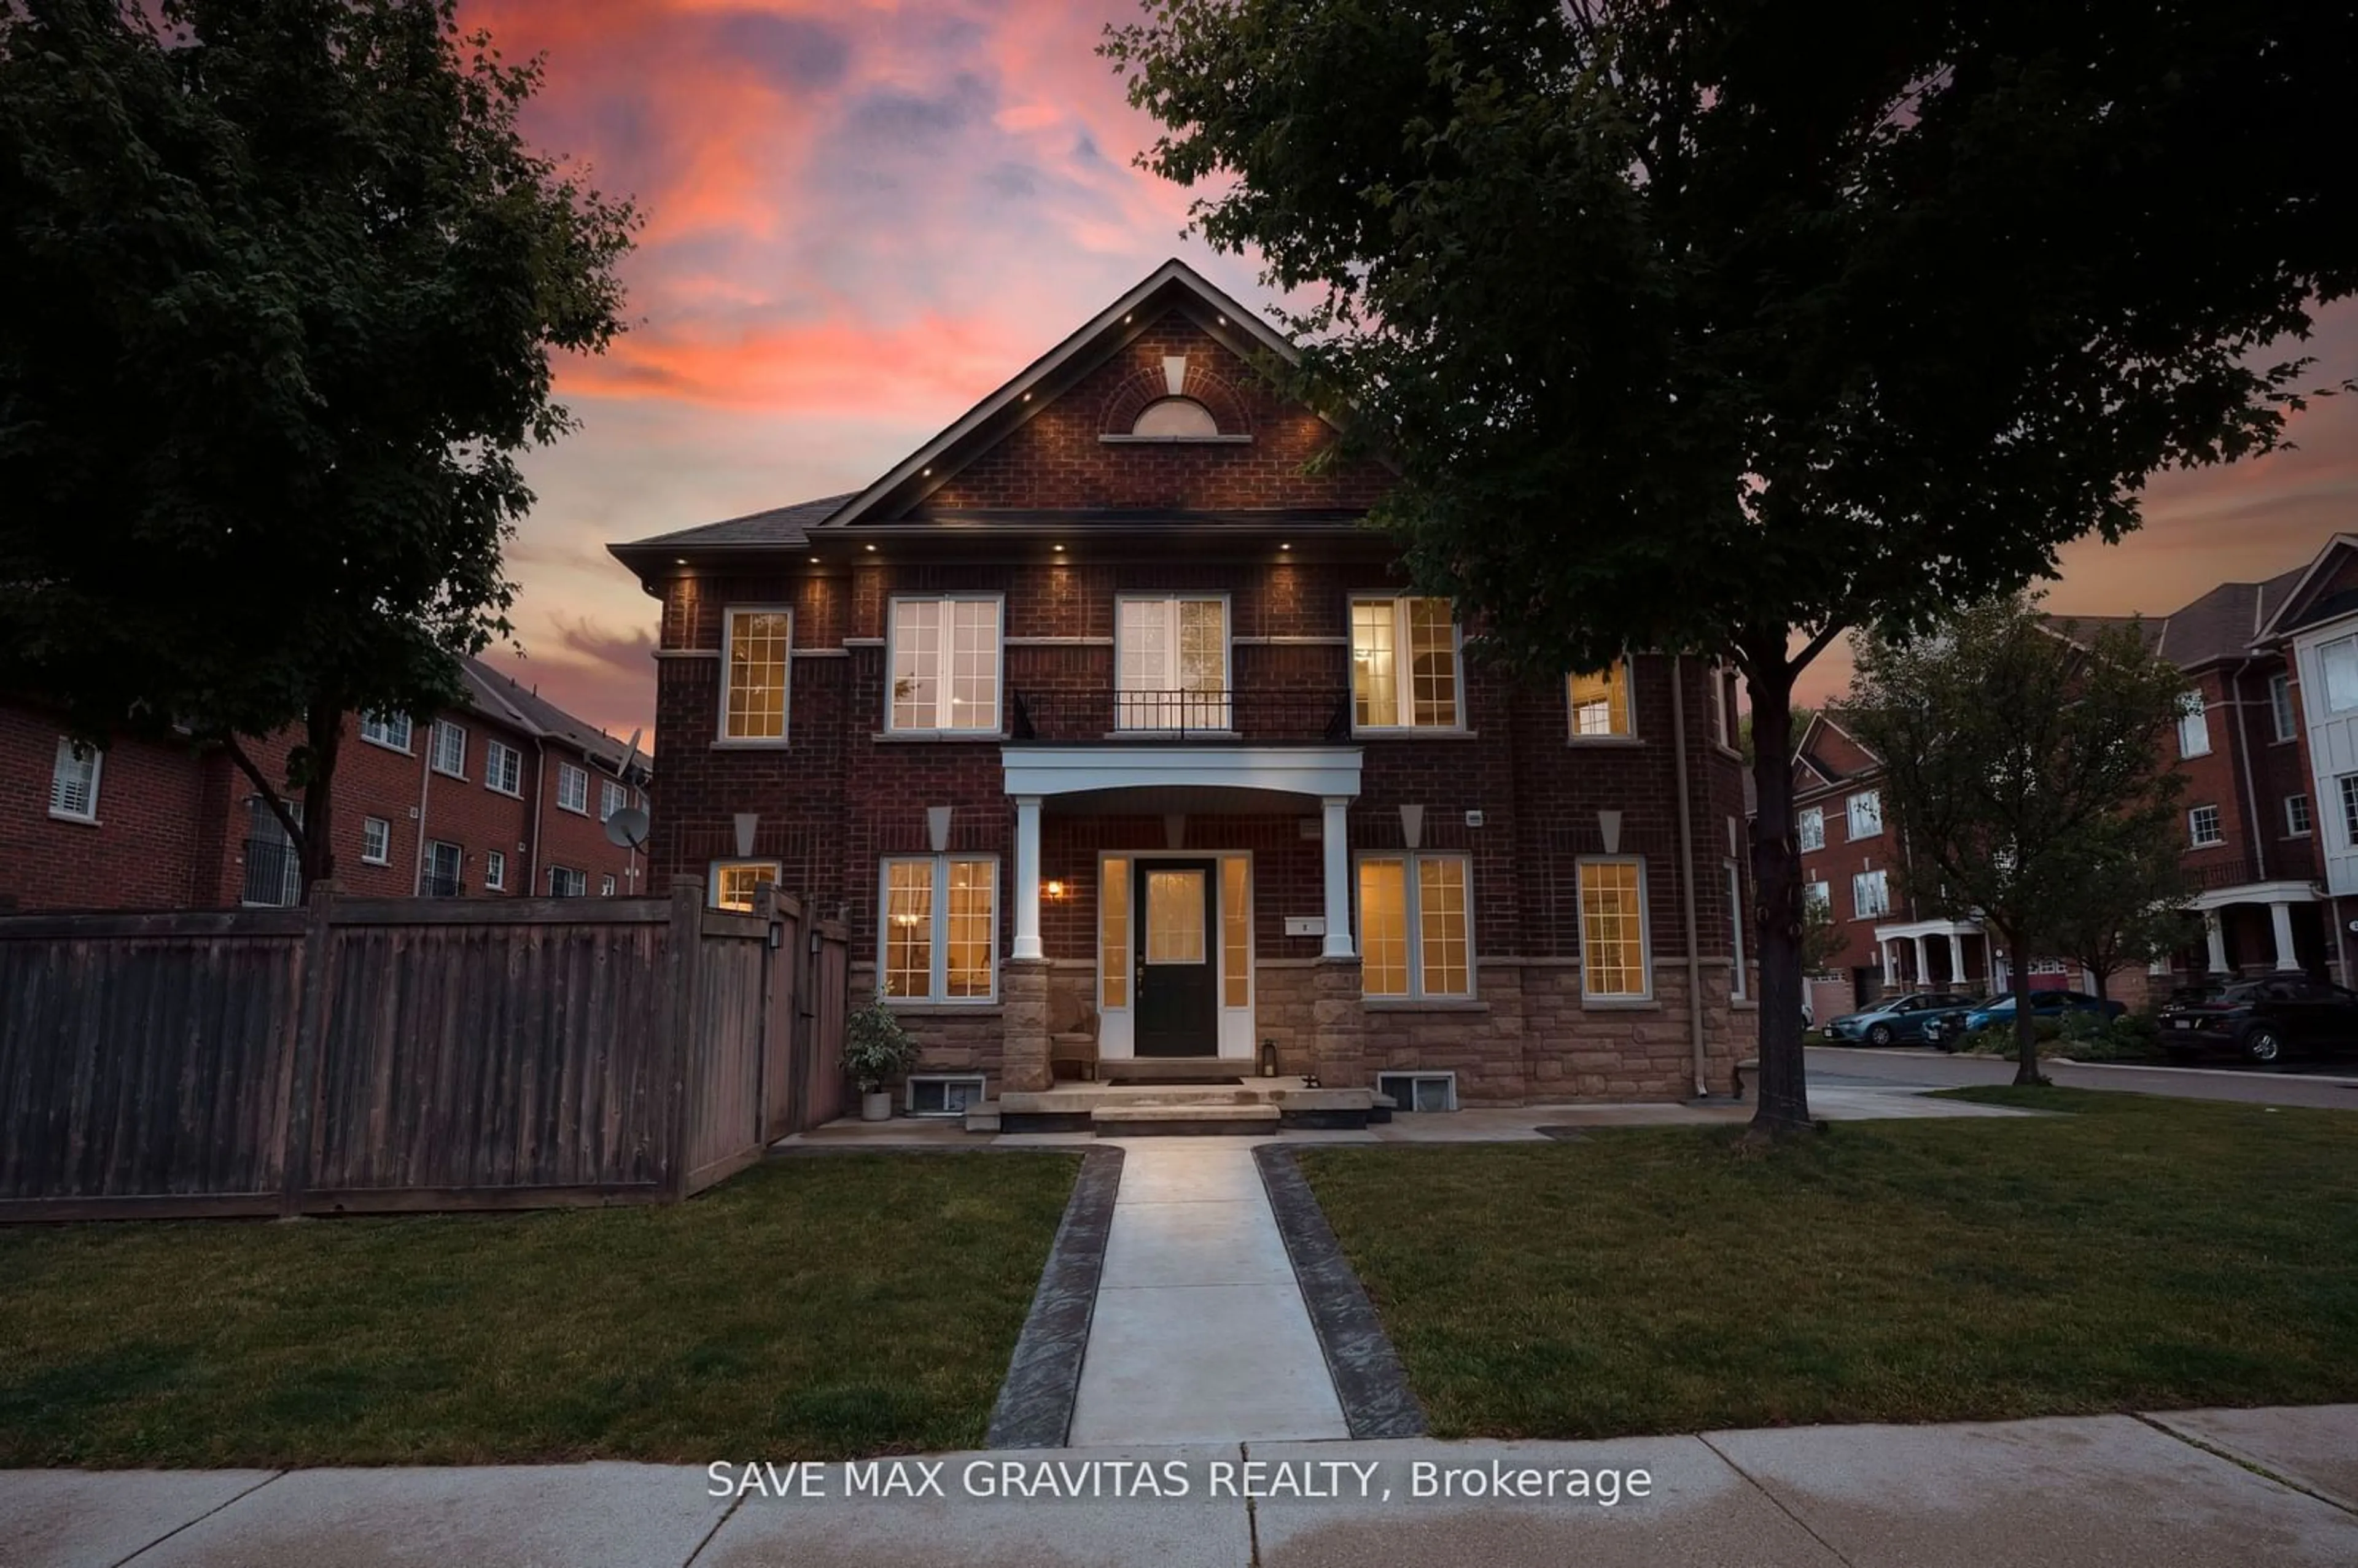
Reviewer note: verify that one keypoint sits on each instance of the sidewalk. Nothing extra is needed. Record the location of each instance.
(2189, 1489)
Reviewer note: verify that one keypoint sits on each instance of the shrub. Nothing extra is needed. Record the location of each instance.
(876, 1049)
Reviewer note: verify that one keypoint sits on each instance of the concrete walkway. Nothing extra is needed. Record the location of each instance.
(2185, 1489)
(1200, 1333)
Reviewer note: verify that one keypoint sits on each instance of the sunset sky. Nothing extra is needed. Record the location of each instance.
(862, 217)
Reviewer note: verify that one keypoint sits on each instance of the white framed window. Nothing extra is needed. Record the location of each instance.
(1866, 810)
(938, 939)
(1809, 827)
(1736, 924)
(2048, 967)
(2193, 726)
(1615, 956)
(376, 840)
(273, 865)
(942, 1094)
(606, 886)
(733, 883)
(1600, 703)
(1414, 1091)
(756, 659)
(1821, 894)
(388, 729)
(1171, 669)
(573, 787)
(495, 871)
(564, 881)
(503, 768)
(611, 797)
(2339, 662)
(2280, 707)
(2298, 822)
(1870, 895)
(1404, 665)
(1416, 925)
(441, 876)
(74, 780)
(2203, 828)
(944, 658)
(1722, 704)
(448, 749)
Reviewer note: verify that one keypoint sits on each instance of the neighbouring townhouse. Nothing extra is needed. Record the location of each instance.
(1105, 722)
(505, 796)
(2269, 743)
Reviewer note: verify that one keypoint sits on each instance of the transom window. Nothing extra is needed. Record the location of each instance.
(1865, 814)
(449, 747)
(944, 665)
(386, 730)
(74, 780)
(2203, 827)
(757, 650)
(2193, 726)
(939, 941)
(1173, 662)
(734, 882)
(1870, 895)
(1809, 827)
(1403, 665)
(503, 768)
(1415, 934)
(2280, 706)
(1600, 703)
(1613, 948)
(573, 787)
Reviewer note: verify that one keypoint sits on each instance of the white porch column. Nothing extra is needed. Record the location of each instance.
(1956, 960)
(2216, 937)
(1027, 878)
(1923, 969)
(2280, 917)
(1334, 837)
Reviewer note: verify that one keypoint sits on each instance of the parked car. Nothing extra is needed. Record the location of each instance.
(2264, 1020)
(1998, 1012)
(1898, 1021)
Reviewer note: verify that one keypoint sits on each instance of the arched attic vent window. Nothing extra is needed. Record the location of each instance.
(1175, 419)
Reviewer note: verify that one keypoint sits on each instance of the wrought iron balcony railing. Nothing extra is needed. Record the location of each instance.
(1281, 714)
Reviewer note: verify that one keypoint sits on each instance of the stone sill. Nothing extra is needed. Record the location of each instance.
(1737, 1004)
(1413, 1004)
(944, 1009)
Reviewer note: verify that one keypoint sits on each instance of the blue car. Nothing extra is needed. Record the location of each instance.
(1998, 1012)
(1901, 1020)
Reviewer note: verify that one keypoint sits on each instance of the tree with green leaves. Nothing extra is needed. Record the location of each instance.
(2128, 903)
(287, 284)
(2020, 759)
(1731, 328)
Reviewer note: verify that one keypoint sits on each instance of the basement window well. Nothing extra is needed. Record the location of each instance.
(1419, 1091)
(940, 1094)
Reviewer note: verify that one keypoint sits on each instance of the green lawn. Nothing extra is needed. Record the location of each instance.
(811, 1307)
(2137, 1253)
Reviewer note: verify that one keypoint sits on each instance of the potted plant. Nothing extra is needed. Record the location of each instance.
(876, 1050)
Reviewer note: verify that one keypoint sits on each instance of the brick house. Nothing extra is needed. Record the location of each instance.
(1102, 717)
(503, 796)
(2261, 743)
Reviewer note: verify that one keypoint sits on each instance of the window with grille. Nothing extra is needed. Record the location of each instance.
(755, 662)
(440, 877)
(1415, 926)
(495, 871)
(386, 730)
(1810, 829)
(74, 780)
(564, 881)
(1870, 895)
(449, 747)
(944, 664)
(573, 787)
(376, 840)
(1419, 1091)
(933, 1094)
(1866, 810)
(1403, 665)
(503, 768)
(938, 940)
(1612, 950)
(1170, 663)
(734, 882)
(1736, 925)
(612, 798)
(2296, 819)
(2204, 828)
(1600, 703)
(2280, 707)
(2193, 726)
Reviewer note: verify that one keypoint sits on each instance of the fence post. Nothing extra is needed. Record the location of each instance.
(680, 1048)
(305, 1051)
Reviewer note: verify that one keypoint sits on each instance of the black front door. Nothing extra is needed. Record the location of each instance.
(1178, 984)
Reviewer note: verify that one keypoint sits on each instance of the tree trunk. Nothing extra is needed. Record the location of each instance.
(324, 732)
(1783, 1093)
(2026, 1026)
(2103, 979)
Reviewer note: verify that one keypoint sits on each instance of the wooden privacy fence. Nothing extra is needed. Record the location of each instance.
(372, 1055)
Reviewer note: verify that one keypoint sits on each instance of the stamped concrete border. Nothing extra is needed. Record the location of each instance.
(1043, 1376)
(1368, 1379)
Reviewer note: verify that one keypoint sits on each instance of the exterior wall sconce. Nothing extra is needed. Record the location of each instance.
(1055, 889)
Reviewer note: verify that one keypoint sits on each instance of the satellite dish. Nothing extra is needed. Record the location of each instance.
(627, 828)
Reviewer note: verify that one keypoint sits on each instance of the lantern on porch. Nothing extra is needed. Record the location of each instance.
(1268, 1058)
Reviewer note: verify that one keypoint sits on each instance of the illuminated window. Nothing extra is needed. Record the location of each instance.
(1235, 933)
(1174, 917)
(1613, 930)
(1415, 932)
(945, 663)
(1600, 703)
(1403, 665)
(1113, 933)
(939, 941)
(754, 661)
(733, 882)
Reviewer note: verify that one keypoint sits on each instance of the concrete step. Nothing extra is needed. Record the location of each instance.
(1173, 1069)
(983, 1117)
(1090, 1097)
(1169, 1119)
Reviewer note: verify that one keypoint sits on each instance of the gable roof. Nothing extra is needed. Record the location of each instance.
(2299, 602)
(501, 697)
(1812, 752)
(780, 526)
